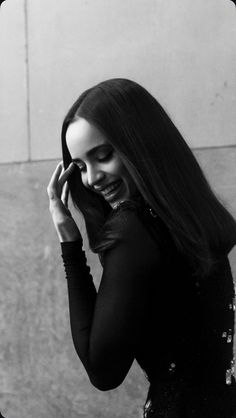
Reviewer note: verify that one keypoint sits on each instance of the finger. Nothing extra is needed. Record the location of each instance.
(65, 174)
(55, 175)
(65, 194)
(52, 188)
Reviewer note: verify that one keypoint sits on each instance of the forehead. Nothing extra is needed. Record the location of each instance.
(82, 137)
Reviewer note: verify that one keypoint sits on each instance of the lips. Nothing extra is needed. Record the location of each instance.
(111, 188)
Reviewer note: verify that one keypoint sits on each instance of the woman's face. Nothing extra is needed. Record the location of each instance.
(101, 167)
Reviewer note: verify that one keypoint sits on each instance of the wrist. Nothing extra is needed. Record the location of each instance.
(67, 229)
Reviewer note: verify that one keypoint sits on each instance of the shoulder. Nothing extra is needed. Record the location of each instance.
(133, 227)
(125, 218)
(133, 248)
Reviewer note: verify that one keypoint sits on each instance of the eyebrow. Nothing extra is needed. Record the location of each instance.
(90, 153)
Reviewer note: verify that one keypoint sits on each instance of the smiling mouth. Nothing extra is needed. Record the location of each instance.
(110, 190)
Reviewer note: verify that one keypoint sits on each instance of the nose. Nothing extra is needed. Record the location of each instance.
(94, 175)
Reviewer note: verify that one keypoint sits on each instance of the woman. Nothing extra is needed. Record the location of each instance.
(166, 296)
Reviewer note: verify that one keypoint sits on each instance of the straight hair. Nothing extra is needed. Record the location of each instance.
(167, 175)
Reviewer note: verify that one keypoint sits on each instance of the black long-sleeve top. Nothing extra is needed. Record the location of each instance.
(150, 307)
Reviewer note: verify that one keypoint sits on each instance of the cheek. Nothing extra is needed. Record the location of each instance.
(114, 167)
(118, 167)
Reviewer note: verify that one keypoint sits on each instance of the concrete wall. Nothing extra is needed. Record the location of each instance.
(50, 51)
(184, 53)
(13, 90)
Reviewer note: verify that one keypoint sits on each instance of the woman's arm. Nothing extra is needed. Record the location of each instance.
(108, 326)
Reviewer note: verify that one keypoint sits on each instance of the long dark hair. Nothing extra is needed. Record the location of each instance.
(163, 167)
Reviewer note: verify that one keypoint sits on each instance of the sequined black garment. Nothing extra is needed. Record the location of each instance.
(177, 399)
(151, 308)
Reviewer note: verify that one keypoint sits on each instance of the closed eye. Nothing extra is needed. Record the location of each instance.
(101, 154)
(104, 156)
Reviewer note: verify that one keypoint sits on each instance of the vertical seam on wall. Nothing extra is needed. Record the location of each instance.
(28, 119)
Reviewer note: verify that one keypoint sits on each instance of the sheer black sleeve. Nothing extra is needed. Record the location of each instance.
(107, 326)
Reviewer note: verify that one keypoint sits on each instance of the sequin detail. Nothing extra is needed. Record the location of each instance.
(153, 214)
(147, 408)
(230, 372)
(172, 367)
(229, 337)
(233, 304)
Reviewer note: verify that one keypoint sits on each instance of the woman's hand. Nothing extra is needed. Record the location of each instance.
(58, 193)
